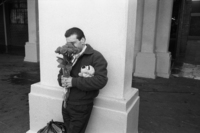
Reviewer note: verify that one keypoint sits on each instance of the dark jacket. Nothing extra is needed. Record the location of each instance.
(84, 90)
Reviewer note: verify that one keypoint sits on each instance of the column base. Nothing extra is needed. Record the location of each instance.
(109, 115)
(31, 52)
(145, 65)
(163, 68)
(44, 105)
(115, 115)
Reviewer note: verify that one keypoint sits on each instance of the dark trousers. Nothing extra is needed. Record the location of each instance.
(76, 117)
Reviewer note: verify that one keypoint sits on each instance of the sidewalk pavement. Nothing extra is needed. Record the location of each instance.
(16, 76)
(166, 105)
(169, 105)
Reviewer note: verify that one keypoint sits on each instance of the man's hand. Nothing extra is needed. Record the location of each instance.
(66, 82)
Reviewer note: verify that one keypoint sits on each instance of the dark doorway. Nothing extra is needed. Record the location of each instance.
(185, 32)
(15, 27)
(174, 27)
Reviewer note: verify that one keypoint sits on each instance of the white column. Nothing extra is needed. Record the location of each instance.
(146, 60)
(32, 46)
(138, 34)
(109, 26)
(162, 38)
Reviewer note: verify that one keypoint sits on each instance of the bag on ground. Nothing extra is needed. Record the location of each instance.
(53, 127)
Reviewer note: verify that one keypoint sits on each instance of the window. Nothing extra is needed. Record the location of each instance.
(18, 12)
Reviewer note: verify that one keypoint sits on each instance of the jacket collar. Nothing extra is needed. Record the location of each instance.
(89, 50)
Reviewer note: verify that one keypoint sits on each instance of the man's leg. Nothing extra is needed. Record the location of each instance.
(79, 115)
(66, 117)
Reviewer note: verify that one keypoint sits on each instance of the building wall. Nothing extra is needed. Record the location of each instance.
(193, 41)
(183, 29)
(195, 19)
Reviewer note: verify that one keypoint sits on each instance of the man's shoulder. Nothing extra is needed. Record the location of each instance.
(97, 55)
(96, 52)
(91, 50)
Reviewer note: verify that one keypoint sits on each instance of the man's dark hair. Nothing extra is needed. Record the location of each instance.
(75, 31)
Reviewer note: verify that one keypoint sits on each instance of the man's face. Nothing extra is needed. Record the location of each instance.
(77, 43)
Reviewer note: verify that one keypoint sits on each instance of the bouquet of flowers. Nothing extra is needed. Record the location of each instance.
(68, 51)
